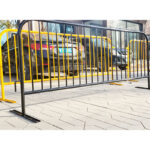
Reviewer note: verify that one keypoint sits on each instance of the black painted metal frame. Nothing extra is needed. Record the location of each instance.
(103, 29)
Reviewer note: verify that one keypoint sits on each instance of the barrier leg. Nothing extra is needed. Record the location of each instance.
(23, 113)
(3, 94)
(148, 78)
(15, 86)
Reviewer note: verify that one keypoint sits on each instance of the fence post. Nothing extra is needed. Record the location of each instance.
(148, 76)
(1, 75)
(148, 63)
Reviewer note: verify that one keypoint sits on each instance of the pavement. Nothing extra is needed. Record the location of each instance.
(98, 107)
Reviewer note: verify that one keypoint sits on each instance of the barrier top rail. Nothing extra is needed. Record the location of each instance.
(81, 25)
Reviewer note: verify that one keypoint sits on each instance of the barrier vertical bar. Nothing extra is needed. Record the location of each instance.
(141, 58)
(104, 55)
(125, 41)
(116, 56)
(50, 75)
(68, 58)
(94, 54)
(85, 57)
(53, 56)
(30, 56)
(121, 51)
(63, 56)
(111, 58)
(36, 57)
(58, 64)
(108, 60)
(16, 61)
(136, 55)
(148, 62)
(102, 63)
(97, 57)
(72, 59)
(41, 58)
(79, 55)
(48, 51)
(64, 29)
(9, 66)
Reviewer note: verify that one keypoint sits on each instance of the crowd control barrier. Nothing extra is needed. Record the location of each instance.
(59, 58)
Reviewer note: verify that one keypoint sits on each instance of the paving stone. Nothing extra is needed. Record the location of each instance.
(99, 107)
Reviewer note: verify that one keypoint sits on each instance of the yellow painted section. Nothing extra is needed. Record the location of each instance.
(42, 58)
(108, 56)
(113, 83)
(94, 55)
(36, 57)
(97, 58)
(61, 78)
(90, 55)
(77, 48)
(48, 56)
(53, 56)
(63, 56)
(16, 58)
(9, 66)
(67, 56)
(29, 57)
(101, 57)
(58, 58)
(81, 56)
(1, 72)
(22, 57)
(104, 55)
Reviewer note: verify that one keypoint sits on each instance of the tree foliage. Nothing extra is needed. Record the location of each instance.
(8, 24)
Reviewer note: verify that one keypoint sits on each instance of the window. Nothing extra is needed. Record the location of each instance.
(52, 27)
(123, 24)
(69, 29)
(133, 26)
(94, 23)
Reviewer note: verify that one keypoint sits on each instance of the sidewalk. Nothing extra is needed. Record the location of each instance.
(99, 107)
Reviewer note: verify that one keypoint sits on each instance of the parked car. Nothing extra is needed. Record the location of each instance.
(122, 58)
(148, 36)
(116, 59)
(70, 48)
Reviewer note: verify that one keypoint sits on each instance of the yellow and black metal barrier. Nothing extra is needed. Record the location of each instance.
(137, 58)
(88, 55)
(53, 60)
(89, 65)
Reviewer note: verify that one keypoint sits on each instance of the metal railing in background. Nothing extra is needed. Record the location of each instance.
(3, 83)
(77, 59)
(138, 57)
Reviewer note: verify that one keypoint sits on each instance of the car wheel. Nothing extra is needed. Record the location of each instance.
(122, 67)
(75, 73)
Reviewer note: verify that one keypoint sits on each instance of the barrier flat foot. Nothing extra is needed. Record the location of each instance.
(142, 88)
(29, 118)
(113, 83)
(7, 100)
(133, 80)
